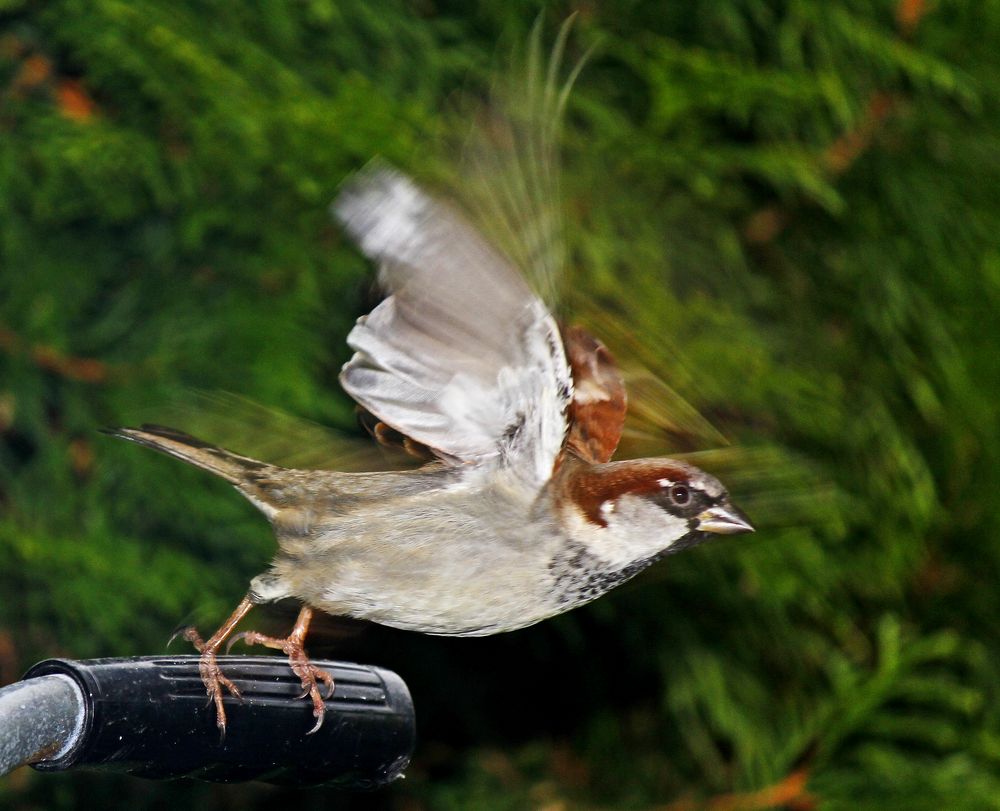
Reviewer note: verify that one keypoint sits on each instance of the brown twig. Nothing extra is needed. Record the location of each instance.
(37, 71)
(73, 100)
(789, 793)
(84, 370)
(843, 152)
(909, 13)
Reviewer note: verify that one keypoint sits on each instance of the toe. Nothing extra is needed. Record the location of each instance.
(327, 680)
(191, 635)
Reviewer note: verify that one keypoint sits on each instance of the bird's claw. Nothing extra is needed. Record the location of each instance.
(215, 683)
(240, 637)
(313, 675)
(293, 646)
(310, 676)
(190, 633)
(318, 675)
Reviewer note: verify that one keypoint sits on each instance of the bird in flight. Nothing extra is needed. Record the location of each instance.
(518, 515)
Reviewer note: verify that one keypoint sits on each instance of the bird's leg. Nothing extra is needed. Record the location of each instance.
(294, 646)
(211, 675)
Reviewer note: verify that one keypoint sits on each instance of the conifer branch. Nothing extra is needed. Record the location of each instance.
(767, 222)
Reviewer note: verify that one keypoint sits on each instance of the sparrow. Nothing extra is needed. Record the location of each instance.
(519, 515)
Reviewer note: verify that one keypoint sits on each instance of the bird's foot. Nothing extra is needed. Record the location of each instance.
(212, 677)
(208, 666)
(309, 674)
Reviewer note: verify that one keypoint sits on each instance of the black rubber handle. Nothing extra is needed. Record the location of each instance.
(148, 716)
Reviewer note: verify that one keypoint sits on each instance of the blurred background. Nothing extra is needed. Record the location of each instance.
(788, 211)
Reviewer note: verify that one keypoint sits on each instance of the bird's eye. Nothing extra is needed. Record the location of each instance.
(680, 494)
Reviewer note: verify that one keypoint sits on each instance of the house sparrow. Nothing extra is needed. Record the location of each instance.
(520, 516)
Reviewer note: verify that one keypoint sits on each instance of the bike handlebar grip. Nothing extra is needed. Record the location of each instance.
(148, 716)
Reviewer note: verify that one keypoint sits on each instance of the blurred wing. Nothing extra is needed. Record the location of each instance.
(273, 435)
(509, 171)
(660, 420)
(510, 183)
(461, 357)
(597, 412)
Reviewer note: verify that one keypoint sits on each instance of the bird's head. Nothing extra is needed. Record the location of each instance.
(635, 510)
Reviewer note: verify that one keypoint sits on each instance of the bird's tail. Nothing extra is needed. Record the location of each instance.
(230, 466)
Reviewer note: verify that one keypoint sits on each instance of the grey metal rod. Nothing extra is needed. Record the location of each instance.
(40, 718)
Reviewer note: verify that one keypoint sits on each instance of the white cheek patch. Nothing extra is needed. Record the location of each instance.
(636, 529)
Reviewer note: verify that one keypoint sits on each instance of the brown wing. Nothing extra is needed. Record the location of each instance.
(597, 411)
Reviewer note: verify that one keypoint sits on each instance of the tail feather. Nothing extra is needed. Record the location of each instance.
(230, 466)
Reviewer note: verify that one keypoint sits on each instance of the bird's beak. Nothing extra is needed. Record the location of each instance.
(724, 519)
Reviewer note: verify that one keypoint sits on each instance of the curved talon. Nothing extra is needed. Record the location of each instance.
(327, 679)
(242, 635)
(318, 724)
(250, 638)
(319, 709)
(177, 632)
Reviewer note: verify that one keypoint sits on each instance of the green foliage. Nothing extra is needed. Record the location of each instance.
(792, 206)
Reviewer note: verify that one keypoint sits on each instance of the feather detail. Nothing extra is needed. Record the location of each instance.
(462, 357)
(597, 411)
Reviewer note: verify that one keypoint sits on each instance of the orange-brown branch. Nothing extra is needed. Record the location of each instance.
(789, 793)
(36, 70)
(85, 370)
(843, 152)
(909, 13)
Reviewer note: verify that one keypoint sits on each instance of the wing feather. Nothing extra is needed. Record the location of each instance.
(462, 356)
(597, 413)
